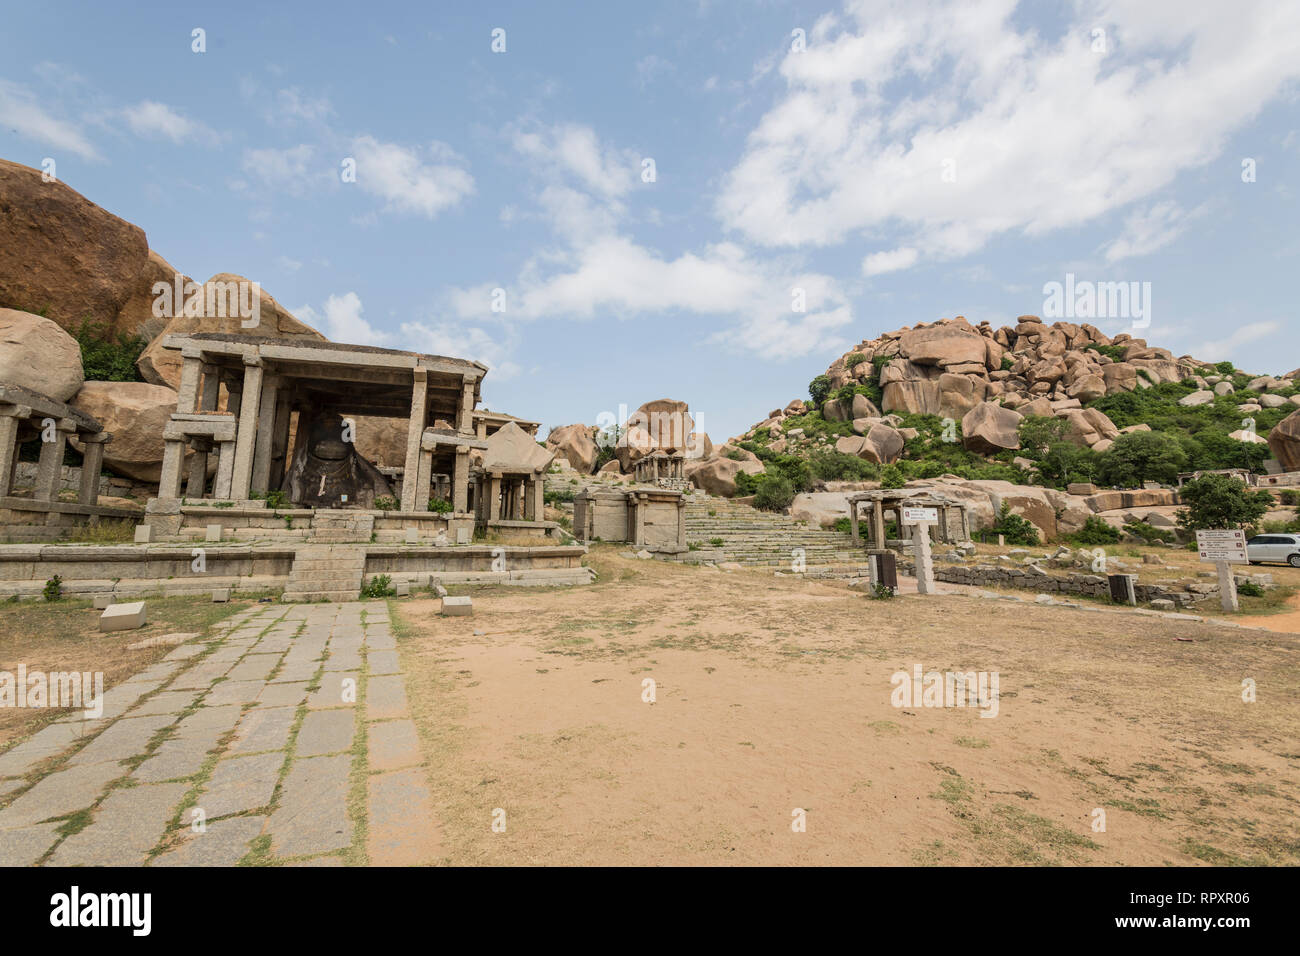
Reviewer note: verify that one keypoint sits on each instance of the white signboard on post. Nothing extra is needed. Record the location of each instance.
(1215, 546)
(920, 515)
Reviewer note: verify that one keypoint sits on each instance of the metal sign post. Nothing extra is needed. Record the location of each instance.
(1224, 549)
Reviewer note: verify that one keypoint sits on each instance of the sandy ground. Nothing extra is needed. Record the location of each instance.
(773, 695)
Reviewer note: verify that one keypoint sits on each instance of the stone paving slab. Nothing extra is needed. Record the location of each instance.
(223, 843)
(201, 675)
(234, 692)
(385, 697)
(332, 689)
(326, 732)
(127, 825)
(178, 757)
(383, 662)
(116, 702)
(313, 816)
(123, 738)
(254, 667)
(266, 728)
(184, 652)
(25, 846)
(60, 793)
(392, 745)
(293, 673)
(45, 743)
(239, 784)
(344, 660)
(283, 695)
(403, 830)
(380, 640)
(167, 702)
(207, 718)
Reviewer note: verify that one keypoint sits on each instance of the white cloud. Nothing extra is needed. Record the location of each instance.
(405, 182)
(292, 104)
(492, 348)
(1151, 228)
(1217, 350)
(155, 120)
(878, 263)
(575, 150)
(341, 321)
(1041, 133)
(21, 110)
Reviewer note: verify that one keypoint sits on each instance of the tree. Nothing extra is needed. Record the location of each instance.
(1038, 433)
(819, 388)
(1141, 456)
(1065, 462)
(1220, 502)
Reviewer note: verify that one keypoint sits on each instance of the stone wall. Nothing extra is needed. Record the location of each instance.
(1035, 579)
(70, 480)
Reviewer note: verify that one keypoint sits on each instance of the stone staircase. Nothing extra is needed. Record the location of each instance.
(765, 539)
(339, 525)
(326, 572)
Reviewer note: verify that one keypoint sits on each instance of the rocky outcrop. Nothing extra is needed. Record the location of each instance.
(717, 475)
(576, 445)
(208, 308)
(36, 354)
(136, 414)
(1284, 442)
(62, 256)
(988, 429)
(136, 317)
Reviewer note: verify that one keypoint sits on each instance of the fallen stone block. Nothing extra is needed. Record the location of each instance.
(403, 589)
(220, 595)
(122, 617)
(457, 607)
(143, 534)
(102, 601)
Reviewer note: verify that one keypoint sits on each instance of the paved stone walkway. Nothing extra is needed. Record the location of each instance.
(283, 737)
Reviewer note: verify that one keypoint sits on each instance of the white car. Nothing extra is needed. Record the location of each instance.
(1276, 548)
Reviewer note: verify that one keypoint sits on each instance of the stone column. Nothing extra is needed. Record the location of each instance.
(924, 562)
(494, 498)
(265, 441)
(187, 396)
(51, 462)
(9, 420)
(246, 434)
(414, 435)
(197, 480)
(424, 479)
(539, 497)
(92, 462)
(878, 525)
(225, 470)
(169, 483)
(211, 395)
(465, 413)
(853, 524)
(638, 503)
(280, 446)
(460, 481)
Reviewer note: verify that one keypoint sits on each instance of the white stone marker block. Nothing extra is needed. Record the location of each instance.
(412, 535)
(463, 535)
(457, 607)
(213, 532)
(143, 533)
(102, 601)
(122, 617)
(403, 589)
(220, 595)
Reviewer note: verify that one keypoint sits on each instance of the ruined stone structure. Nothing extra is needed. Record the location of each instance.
(509, 482)
(305, 390)
(25, 416)
(666, 469)
(952, 527)
(648, 519)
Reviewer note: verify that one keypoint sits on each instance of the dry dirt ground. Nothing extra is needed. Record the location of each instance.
(773, 695)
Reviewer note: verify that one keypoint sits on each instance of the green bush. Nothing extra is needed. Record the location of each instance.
(554, 497)
(108, 357)
(774, 493)
(1038, 433)
(385, 502)
(1148, 532)
(53, 589)
(1141, 456)
(892, 477)
(440, 505)
(1116, 352)
(1220, 502)
(1015, 529)
(819, 388)
(1095, 531)
(827, 464)
(1250, 589)
(854, 360)
(379, 586)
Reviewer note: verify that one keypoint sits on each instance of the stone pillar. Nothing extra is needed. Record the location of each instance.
(92, 462)
(853, 524)
(9, 420)
(169, 484)
(51, 462)
(638, 503)
(414, 435)
(465, 413)
(187, 396)
(1227, 587)
(225, 470)
(211, 389)
(265, 441)
(494, 498)
(197, 480)
(539, 497)
(460, 481)
(924, 561)
(424, 479)
(878, 525)
(280, 445)
(965, 523)
(246, 434)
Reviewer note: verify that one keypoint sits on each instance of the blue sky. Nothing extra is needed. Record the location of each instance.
(895, 162)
